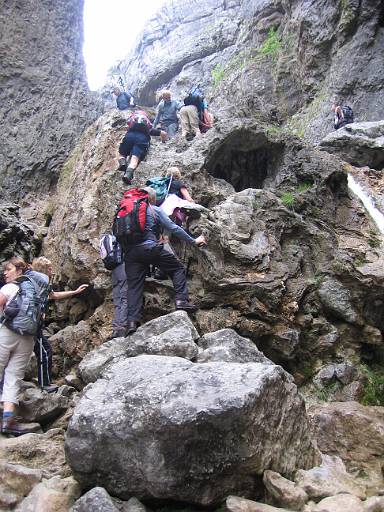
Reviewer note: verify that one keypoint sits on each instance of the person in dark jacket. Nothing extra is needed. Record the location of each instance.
(124, 100)
(136, 144)
(149, 251)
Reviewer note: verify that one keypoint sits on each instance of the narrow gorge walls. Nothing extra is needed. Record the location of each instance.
(45, 103)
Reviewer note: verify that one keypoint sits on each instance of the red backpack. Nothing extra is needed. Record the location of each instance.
(129, 222)
(139, 121)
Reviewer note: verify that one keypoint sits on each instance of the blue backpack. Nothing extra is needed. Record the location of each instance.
(161, 185)
(23, 314)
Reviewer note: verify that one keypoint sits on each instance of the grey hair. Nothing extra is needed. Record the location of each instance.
(151, 192)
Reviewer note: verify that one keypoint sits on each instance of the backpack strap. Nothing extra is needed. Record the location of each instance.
(169, 186)
(21, 279)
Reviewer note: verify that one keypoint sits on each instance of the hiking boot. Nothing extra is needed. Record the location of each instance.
(13, 428)
(185, 305)
(131, 327)
(128, 175)
(122, 164)
(51, 388)
(160, 275)
(118, 333)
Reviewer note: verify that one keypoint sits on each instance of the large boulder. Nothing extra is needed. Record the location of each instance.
(153, 423)
(168, 335)
(53, 495)
(360, 144)
(227, 345)
(44, 452)
(95, 500)
(354, 432)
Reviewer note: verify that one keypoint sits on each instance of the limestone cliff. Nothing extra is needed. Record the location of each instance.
(282, 61)
(44, 100)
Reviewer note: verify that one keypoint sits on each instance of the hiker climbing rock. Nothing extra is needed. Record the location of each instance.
(167, 114)
(137, 227)
(112, 256)
(21, 301)
(343, 115)
(42, 347)
(136, 143)
(124, 100)
(194, 116)
(178, 197)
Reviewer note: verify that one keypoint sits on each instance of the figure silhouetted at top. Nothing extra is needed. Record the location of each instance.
(124, 100)
(343, 115)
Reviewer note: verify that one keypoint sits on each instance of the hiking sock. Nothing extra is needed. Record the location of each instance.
(7, 419)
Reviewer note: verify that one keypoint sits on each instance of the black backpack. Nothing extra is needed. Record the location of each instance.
(348, 114)
(195, 97)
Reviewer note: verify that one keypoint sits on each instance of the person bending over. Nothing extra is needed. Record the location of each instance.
(148, 251)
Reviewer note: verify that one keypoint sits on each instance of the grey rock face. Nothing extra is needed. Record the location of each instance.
(153, 423)
(353, 432)
(334, 54)
(15, 236)
(359, 144)
(42, 407)
(227, 345)
(345, 373)
(205, 32)
(169, 335)
(26, 478)
(337, 299)
(328, 479)
(45, 101)
(95, 500)
(284, 492)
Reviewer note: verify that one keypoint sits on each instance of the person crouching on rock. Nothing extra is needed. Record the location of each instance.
(138, 256)
(136, 143)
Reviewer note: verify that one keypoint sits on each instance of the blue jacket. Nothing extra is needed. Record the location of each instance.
(158, 219)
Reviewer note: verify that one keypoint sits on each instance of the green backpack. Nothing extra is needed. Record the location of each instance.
(161, 185)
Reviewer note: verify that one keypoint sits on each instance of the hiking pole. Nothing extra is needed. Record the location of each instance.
(40, 341)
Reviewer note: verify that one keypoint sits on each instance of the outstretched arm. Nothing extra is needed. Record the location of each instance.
(68, 293)
(340, 112)
(176, 230)
(186, 195)
(158, 113)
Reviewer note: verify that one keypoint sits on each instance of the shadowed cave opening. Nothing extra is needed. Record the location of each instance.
(246, 160)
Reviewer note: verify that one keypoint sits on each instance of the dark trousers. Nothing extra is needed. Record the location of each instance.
(137, 260)
(120, 297)
(43, 352)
